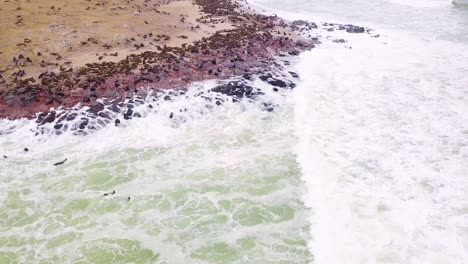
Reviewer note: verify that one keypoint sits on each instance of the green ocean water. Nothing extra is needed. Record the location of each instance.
(215, 185)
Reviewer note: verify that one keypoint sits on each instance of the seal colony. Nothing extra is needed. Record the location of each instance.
(107, 56)
(129, 48)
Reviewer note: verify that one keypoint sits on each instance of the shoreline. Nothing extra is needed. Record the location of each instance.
(238, 43)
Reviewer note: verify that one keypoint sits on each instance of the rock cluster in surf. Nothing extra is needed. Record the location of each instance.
(83, 120)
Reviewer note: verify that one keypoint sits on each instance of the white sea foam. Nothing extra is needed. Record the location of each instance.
(384, 152)
(422, 3)
(383, 131)
(211, 184)
(383, 147)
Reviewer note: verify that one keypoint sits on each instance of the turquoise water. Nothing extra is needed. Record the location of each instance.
(215, 184)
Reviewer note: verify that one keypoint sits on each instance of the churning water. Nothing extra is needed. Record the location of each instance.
(212, 184)
(382, 122)
(366, 161)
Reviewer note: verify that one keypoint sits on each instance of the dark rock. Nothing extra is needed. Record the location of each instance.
(293, 74)
(268, 78)
(96, 108)
(303, 24)
(294, 53)
(236, 89)
(41, 117)
(49, 118)
(339, 41)
(139, 101)
(300, 23)
(62, 118)
(207, 98)
(102, 123)
(117, 122)
(103, 115)
(129, 112)
(114, 108)
(58, 126)
(265, 77)
(354, 29)
(278, 83)
(84, 123)
(71, 116)
(171, 115)
(26, 149)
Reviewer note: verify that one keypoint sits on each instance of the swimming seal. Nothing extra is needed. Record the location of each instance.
(113, 192)
(60, 163)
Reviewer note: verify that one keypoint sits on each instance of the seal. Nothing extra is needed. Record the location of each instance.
(113, 192)
(60, 163)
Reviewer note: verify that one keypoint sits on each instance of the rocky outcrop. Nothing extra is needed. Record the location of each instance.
(249, 48)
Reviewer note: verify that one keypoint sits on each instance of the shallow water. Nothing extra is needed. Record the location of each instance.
(383, 131)
(214, 184)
